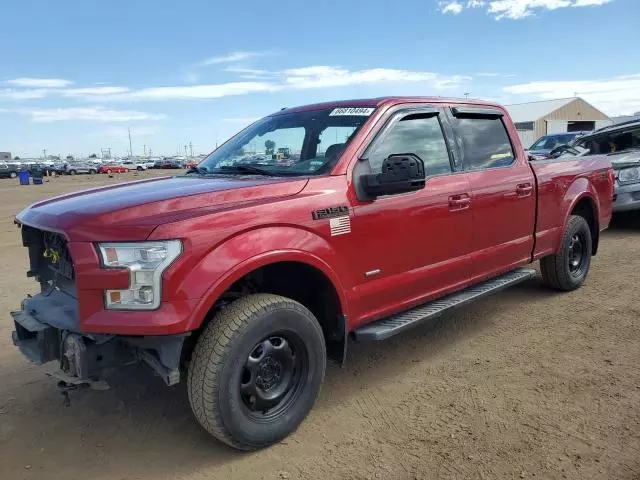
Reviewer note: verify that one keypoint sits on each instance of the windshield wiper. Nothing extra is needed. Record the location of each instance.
(199, 170)
(243, 168)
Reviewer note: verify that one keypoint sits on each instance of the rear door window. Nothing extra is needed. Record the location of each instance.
(484, 142)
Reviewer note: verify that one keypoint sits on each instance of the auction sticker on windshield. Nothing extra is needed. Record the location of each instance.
(354, 111)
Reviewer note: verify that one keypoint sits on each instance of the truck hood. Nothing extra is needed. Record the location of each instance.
(130, 211)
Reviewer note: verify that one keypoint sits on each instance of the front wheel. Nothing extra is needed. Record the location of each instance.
(568, 269)
(92, 171)
(13, 174)
(256, 370)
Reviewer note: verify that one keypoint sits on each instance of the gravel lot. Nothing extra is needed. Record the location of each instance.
(528, 383)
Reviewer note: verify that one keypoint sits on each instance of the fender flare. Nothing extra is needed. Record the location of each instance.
(257, 260)
(584, 190)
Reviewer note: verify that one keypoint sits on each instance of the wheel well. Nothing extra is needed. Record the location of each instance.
(586, 209)
(297, 281)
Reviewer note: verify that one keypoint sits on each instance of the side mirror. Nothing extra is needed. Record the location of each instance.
(400, 173)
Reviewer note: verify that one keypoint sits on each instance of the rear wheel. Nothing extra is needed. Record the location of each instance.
(109, 171)
(72, 172)
(568, 269)
(92, 171)
(139, 168)
(13, 174)
(256, 370)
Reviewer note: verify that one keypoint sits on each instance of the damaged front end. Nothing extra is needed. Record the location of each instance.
(47, 326)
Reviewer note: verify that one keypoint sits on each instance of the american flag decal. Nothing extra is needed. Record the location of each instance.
(340, 225)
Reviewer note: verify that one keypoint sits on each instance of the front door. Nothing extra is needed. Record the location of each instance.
(410, 247)
(503, 201)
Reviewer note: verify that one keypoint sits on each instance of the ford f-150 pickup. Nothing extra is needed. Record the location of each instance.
(244, 275)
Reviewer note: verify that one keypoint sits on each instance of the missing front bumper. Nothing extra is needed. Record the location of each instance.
(46, 330)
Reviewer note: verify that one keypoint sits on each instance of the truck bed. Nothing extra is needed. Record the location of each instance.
(561, 184)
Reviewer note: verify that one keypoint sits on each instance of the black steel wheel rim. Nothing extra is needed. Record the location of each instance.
(273, 376)
(577, 254)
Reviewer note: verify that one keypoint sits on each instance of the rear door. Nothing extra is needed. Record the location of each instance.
(503, 196)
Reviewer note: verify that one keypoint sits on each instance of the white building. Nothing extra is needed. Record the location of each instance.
(536, 119)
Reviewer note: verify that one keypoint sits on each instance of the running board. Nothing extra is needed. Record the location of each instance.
(395, 324)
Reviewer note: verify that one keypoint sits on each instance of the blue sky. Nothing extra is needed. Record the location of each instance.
(75, 75)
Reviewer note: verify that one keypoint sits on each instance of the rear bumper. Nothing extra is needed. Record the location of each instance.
(626, 198)
(47, 329)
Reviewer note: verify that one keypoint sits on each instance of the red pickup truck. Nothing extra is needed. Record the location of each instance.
(244, 275)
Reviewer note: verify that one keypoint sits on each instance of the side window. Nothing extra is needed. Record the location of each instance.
(485, 143)
(420, 134)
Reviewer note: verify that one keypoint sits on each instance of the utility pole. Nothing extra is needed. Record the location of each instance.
(44, 153)
(144, 148)
(130, 148)
(191, 148)
(185, 151)
(466, 95)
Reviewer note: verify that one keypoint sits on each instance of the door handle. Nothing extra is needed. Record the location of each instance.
(459, 202)
(524, 189)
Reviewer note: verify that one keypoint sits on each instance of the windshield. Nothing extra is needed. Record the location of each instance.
(551, 141)
(300, 143)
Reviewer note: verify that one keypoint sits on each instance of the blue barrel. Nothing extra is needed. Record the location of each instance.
(24, 177)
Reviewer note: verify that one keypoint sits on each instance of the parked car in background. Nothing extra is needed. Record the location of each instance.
(621, 143)
(158, 162)
(9, 169)
(110, 168)
(137, 164)
(543, 146)
(74, 168)
(172, 162)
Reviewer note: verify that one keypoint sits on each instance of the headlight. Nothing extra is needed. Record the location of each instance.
(145, 261)
(629, 175)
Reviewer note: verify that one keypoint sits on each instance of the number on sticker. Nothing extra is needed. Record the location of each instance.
(354, 111)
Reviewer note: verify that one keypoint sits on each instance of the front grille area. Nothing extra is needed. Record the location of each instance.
(49, 258)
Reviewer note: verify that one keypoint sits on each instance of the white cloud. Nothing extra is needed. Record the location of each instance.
(40, 82)
(515, 9)
(616, 95)
(495, 74)
(319, 76)
(201, 91)
(231, 57)
(94, 91)
(311, 77)
(454, 7)
(23, 94)
(99, 114)
(323, 76)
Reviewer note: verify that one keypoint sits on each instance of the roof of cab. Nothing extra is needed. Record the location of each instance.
(383, 101)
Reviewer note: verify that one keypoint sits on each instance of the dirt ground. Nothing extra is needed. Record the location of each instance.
(528, 383)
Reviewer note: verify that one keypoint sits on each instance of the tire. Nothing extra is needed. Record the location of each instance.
(72, 172)
(13, 174)
(109, 171)
(568, 269)
(139, 169)
(226, 397)
(92, 171)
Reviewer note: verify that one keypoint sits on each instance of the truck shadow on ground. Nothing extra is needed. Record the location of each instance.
(626, 222)
(140, 428)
